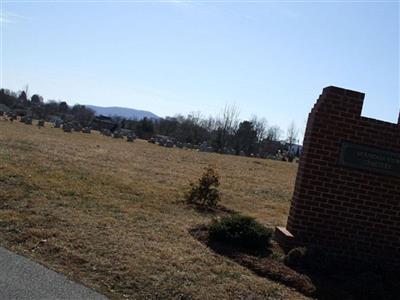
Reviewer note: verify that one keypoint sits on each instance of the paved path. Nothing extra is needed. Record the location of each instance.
(23, 279)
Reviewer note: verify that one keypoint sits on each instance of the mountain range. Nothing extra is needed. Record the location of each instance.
(124, 112)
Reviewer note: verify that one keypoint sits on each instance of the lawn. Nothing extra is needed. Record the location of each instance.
(110, 214)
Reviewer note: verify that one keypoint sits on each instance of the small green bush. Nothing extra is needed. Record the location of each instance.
(240, 231)
(296, 257)
(205, 192)
(311, 258)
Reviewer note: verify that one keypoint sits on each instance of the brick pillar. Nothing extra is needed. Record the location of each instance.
(347, 202)
(335, 108)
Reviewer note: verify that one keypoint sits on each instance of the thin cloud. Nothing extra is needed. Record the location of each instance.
(10, 17)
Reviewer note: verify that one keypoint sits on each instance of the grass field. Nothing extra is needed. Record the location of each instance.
(110, 214)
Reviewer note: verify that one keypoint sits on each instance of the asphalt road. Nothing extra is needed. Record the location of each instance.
(23, 279)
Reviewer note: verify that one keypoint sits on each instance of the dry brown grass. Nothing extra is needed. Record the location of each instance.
(108, 213)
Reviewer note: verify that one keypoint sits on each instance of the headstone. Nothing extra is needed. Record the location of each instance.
(117, 135)
(12, 115)
(130, 138)
(169, 144)
(67, 127)
(27, 120)
(126, 132)
(86, 130)
(105, 132)
(347, 193)
(132, 135)
(77, 127)
(203, 146)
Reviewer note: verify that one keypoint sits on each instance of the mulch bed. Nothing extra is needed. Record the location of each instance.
(339, 283)
(260, 263)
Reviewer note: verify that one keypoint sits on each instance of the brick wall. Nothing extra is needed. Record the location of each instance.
(351, 212)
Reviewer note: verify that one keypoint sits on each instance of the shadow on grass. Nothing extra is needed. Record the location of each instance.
(217, 210)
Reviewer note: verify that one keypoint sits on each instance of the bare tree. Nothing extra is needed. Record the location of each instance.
(230, 118)
(196, 117)
(27, 90)
(209, 124)
(292, 134)
(274, 133)
(227, 124)
(260, 126)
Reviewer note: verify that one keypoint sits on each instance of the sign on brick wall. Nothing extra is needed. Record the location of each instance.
(369, 158)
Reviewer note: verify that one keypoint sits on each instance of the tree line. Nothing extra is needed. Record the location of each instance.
(223, 133)
(35, 106)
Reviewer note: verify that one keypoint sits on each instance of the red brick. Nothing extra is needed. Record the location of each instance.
(331, 196)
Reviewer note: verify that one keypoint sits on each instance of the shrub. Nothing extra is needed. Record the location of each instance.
(312, 258)
(205, 192)
(240, 231)
(296, 257)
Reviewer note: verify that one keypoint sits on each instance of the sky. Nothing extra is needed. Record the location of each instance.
(271, 59)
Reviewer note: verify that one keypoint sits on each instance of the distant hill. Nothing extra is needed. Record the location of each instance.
(128, 113)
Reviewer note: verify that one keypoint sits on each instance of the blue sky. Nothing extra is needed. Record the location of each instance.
(271, 59)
